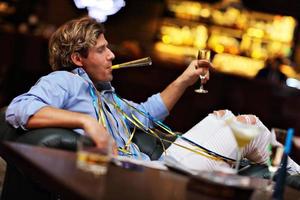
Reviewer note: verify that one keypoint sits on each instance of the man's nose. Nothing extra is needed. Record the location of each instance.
(111, 55)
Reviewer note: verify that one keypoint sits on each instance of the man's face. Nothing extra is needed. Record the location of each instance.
(99, 61)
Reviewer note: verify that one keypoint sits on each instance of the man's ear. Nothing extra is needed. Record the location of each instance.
(77, 59)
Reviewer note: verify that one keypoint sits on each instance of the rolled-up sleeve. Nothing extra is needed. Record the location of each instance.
(19, 111)
(47, 91)
(155, 107)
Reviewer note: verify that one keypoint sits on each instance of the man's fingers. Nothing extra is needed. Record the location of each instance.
(203, 64)
(102, 140)
(248, 119)
(219, 113)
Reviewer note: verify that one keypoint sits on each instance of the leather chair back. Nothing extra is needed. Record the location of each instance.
(66, 139)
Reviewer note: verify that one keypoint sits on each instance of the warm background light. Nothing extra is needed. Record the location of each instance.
(242, 39)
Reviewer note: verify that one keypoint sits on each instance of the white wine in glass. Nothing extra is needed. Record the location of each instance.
(243, 134)
(203, 54)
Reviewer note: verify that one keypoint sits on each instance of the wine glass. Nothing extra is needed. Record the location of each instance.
(243, 134)
(203, 54)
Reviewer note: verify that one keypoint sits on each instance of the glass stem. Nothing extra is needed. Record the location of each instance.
(238, 160)
(201, 82)
(201, 85)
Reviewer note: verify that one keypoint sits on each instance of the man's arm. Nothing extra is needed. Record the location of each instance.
(176, 89)
(54, 117)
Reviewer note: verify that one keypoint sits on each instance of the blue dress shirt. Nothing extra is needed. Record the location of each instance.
(72, 91)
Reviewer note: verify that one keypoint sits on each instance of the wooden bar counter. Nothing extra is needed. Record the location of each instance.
(55, 171)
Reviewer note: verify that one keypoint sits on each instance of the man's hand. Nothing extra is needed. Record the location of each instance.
(174, 91)
(247, 119)
(191, 74)
(219, 113)
(98, 133)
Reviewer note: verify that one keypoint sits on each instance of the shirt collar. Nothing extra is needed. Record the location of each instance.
(102, 86)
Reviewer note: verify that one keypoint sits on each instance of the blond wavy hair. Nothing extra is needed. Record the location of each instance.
(74, 36)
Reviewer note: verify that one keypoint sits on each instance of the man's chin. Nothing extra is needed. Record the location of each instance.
(106, 79)
(110, 77)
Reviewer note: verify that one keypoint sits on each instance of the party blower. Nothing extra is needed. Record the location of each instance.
(135, 63)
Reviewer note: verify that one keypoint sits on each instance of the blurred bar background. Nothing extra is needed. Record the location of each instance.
(241, 34)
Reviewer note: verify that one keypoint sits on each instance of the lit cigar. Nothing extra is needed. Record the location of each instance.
(135, 63)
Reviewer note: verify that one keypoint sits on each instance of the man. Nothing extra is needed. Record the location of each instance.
(78, 94)
(67, 98)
